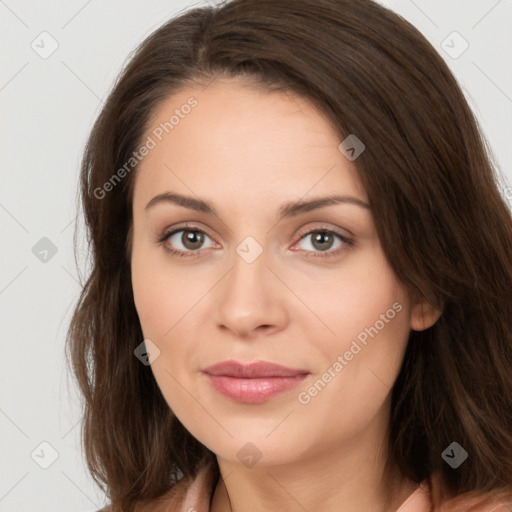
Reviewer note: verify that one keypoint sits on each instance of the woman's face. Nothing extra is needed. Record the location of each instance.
(304, 287)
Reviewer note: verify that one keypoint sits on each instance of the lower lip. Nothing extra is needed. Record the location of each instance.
(253, 391)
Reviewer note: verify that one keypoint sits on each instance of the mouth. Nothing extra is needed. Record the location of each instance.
(253, 383)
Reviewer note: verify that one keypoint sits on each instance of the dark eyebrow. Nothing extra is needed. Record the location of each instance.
(290, 209)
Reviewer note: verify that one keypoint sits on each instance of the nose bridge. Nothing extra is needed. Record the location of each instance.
(249, 297)
(248, 279)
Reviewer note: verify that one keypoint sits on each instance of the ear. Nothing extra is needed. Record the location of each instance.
(424, 315)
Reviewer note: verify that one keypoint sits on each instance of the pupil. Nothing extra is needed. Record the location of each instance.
(320, 238)
(192, 239)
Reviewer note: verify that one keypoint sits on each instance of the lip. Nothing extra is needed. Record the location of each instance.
(258, 369)
(253, 383)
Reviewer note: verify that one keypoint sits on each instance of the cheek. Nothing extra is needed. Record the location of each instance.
(369, 314)
(168, 300)
(367, 311)
(359, 296)
(162, 297)
(145, 294)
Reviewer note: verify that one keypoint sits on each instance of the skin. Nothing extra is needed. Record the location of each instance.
(248, 152)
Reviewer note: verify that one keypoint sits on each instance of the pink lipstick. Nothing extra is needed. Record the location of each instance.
(252, 383)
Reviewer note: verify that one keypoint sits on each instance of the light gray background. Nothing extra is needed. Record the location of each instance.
(48, 107)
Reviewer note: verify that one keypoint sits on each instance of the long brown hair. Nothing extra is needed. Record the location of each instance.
(434, 191)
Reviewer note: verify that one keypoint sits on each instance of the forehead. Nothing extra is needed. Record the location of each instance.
(230, 136)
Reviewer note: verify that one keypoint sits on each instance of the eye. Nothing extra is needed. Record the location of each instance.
(188, 241)
(324, 241)
(185, 241)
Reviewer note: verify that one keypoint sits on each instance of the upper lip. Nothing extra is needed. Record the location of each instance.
(252, 370)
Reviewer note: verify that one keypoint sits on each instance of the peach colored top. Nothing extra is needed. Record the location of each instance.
(196, 495)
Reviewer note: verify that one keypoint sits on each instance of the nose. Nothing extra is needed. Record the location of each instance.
(251, 299)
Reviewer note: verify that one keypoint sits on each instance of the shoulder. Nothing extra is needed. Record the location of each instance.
(188, 494)
(419, 500)
(479, 502)
(475, 501)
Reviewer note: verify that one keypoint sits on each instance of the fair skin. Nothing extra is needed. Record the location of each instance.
(299, 303)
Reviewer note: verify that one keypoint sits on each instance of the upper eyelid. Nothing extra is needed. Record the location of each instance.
(226, 230)
(173, 231)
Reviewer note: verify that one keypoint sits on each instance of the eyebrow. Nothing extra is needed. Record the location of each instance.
(290, 209)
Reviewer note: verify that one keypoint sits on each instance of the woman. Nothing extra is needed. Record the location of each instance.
(300, 291)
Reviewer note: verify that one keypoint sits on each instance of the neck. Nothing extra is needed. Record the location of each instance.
(353, 477)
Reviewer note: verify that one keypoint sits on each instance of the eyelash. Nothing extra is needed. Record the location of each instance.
(347, 243)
